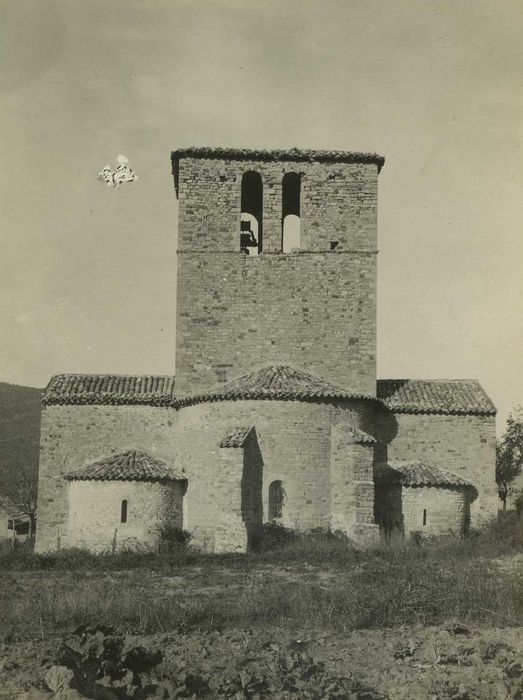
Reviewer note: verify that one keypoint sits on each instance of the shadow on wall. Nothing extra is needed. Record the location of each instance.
(387, 429)
(252, 487)
(388, 510)
(403, 507)
(407, 511)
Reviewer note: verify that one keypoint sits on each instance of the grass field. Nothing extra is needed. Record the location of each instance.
(307, 616)
(316, 579)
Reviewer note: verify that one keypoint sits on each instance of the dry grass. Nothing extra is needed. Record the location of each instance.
(315, 581)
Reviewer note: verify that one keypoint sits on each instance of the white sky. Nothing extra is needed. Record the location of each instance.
(89, 272)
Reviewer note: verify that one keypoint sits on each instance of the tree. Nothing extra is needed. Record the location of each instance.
(509, 454)
(20, 485)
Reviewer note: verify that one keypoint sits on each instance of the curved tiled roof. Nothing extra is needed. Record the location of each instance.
(418, 473)
(109, 389)
(277, 382)
(131, 465)
(459, 397)
(444, 396)
(291, 154)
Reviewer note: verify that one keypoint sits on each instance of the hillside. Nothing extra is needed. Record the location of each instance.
(20, 410)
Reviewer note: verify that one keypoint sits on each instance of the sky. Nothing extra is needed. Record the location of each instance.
(88, 279)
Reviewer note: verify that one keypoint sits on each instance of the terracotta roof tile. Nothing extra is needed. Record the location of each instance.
(418, 473)
(235, 437)
(131, 465)
(277, 382)
(465, 397)
(109, 389)
(445, 396)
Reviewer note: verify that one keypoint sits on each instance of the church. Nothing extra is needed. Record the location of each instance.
(275, 413)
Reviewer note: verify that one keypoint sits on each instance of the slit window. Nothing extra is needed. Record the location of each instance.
(251, 217)
(123, 511)
(291, 191)
(277, 500)
(424, 516)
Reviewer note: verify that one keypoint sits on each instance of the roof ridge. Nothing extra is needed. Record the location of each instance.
(111, 374)
(428, 381)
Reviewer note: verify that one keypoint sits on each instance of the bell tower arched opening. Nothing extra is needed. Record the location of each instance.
(291, 191)
(251, 217)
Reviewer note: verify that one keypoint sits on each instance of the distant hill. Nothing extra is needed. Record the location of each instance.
(20, 408)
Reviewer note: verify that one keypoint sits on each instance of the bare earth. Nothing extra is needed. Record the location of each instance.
(271, 660)
(458, 663)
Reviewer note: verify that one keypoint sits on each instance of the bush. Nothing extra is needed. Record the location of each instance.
(172, 537)
(273, 536)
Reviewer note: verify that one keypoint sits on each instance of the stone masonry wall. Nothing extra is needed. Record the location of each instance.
(95, 513)
(74, 436)
(294, 447)
(351, 484)
(338, 203)
(464, 445)
(445, 510)
(314, 310)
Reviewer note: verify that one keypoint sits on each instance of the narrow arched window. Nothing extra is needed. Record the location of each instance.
(251, 217)
(290, 232)
(277, 500)
(424, 516)
(123, 512)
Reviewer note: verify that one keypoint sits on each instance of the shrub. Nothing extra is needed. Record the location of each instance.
(172, 537)
(273, 536)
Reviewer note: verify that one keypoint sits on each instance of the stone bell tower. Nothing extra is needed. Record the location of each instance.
(276, 265)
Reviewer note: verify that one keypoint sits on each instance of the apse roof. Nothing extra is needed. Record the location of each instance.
(418, 473)
(274, 382)
(131, 465)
